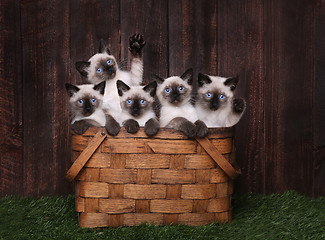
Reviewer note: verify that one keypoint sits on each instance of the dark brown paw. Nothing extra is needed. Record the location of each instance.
(189, 129)
(239, 105)
(79, 127)
(151, 127)
(201, 129)
(112, 126)
(136, 43)
(131, 126)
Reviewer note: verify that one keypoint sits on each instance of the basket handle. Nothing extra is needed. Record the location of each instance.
(218, 158)
(84, 156)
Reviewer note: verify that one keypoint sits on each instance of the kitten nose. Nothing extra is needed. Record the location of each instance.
(135, 112)
(214, 105)
(175, 97)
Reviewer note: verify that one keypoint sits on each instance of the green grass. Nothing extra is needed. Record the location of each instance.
(279, 216)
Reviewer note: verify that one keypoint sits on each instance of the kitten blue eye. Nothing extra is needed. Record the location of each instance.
(80, 101)
(167, 90)
(181, 89)
(93, 100)
(129, 101)
(222, 97)
(99, 70)
(109, 62)
(142, 101)
(208, 95)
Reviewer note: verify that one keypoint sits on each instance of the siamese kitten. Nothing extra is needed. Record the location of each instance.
(176, 108)
(103, 66)
(86, 108)
(216, 104)
(136, 103)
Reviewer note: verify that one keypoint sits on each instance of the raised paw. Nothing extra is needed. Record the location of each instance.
(79, 127)
(131, 126)
(201, 129)
(136, 43)
(239, 105)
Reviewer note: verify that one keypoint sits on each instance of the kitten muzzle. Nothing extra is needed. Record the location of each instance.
(88, 109)
(136, 112)
(111, 71)
(175, 98)
(214, 105)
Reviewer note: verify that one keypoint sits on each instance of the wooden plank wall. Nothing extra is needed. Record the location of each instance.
(275, 47)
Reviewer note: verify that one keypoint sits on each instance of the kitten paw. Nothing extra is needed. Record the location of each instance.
(131, 126)
(80, 127)
(201, 129)
(136, 43)
(189, 129)
(239, 105)
(151, 127)
(112, 126)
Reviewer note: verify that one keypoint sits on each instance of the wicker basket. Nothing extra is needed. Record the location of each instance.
(168, 179)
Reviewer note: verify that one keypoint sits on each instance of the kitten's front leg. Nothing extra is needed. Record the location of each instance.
(183, 125)
(131, 126)
(136, 42)
(79, 127)
(201, 129)
(239, 105)
(151, 127)
(112, 126)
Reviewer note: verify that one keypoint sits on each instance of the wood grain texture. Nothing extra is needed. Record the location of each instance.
(319, 102)
(170, 206)
(288, 105)
(93, 189)
(11, 127)
(84, 157)
(140, 191)
(199, 191)
(116, 205)
(91, 220)
(240, 45)
(148, 18)
(131, 219)
(45, 43)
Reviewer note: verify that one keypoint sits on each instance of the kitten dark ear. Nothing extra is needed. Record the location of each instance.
(71, 89)
(103, 47)
(157, 79)
(188, 76)
(100, 87)
(81, 67)
(231, 82)
(203, 79)
(151, 88)
(121, 87)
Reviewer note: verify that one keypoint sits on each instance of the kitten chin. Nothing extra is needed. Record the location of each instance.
(216, 104)
(176, 108)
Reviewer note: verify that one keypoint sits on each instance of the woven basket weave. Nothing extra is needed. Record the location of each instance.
(169, 179)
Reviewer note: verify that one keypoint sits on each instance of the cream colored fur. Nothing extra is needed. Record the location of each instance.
(169, 111)
(223, 117)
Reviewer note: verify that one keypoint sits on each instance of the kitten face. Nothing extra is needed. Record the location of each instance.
(102, 66)
(175, 90)
(136, 100)
(85, 99)
(215, 92)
